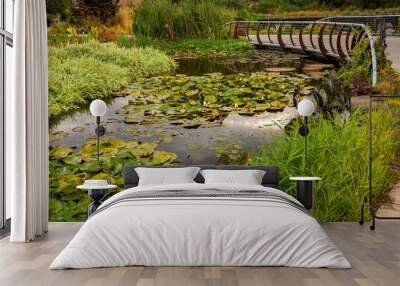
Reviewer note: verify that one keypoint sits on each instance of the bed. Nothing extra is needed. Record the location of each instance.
(197, 224)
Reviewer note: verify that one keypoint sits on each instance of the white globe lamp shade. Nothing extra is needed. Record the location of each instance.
(305, 107)
(98, 107)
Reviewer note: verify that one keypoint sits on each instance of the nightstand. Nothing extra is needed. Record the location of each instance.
(96, 195)
(305, 189)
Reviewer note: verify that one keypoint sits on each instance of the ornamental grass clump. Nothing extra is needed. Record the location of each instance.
(74, 82)
(81, 73)
(338, 153)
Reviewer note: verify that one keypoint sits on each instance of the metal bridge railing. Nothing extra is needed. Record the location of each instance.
(334, 40)
(387, 24)
(380, 25)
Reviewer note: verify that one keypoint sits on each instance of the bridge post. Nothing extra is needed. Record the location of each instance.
(280, 40)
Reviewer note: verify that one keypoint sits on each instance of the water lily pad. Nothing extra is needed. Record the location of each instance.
(67, 184)
(247, 112)
(132, 119)
(92, 166)
(261, 107)
(57, 135)
(74, 159)
(122, 111)
(317, 67)
(177, 122)
(144, 150)
(281, 69)
(131, 144)
(191, 125)
(162, 158)
(246, 90)
(78, 129)
(209, 97)
(105, 176)
(60, 152)
(276, 106)
(108, 147)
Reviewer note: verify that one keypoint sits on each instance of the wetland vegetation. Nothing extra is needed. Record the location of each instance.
(179, 91)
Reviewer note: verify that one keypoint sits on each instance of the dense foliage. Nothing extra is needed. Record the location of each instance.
(81, 73)
(187, 18)
(105, 10)
(265, 5)
(192, 47)
(338, 152)
(69, 168)
(356, 73)
(194, 101)
(59, 10)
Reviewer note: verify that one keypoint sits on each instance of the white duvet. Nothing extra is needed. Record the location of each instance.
(202, 232)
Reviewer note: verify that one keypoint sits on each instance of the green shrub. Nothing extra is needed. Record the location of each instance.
(360, 64)
(186, 18)
(81, 73)
(356, 73)
(338, 152)
(285, 5)
(126, 42)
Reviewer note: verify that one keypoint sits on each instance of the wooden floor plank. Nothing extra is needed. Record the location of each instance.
(375, 257)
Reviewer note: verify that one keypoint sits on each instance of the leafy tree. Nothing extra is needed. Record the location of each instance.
(105, 10)
(60, 9)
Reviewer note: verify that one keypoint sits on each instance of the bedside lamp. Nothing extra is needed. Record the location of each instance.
(98, 108)
(305, 108)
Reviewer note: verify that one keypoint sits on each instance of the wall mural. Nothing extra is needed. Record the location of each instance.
(193, 101)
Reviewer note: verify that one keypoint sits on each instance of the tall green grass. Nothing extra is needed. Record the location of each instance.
(338, 153)
(202, 47)
(81, 73)
(187, 18)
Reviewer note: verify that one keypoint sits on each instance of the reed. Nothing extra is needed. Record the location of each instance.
(338, 153)
(187, 18)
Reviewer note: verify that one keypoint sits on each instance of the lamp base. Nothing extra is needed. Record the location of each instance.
(303, 130)
(100, 130)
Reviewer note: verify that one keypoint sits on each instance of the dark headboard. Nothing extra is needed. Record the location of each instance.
(271, 178)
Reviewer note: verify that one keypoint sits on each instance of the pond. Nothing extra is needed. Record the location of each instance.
(246, 62)
(215, 110)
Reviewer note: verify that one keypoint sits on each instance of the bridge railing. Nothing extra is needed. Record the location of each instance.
(382, 25)
(335, 40)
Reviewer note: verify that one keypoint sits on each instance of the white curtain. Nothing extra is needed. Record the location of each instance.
(27, 124)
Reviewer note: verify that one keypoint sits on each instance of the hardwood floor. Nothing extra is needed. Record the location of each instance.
(375, 257)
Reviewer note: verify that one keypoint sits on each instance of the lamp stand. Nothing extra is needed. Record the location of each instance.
(304, 132)
(98, 137)
(100, 131)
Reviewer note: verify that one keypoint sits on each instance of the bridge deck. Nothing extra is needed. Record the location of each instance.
(393, 51)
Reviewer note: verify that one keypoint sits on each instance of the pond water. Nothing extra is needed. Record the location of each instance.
(233, 137)
(254, 61)
(230, 138)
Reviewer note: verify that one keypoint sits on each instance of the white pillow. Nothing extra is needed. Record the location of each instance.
(166, 176)
(247, 177)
